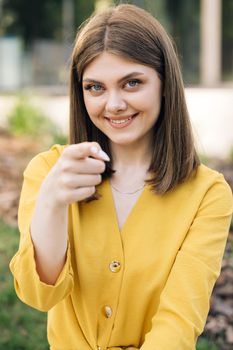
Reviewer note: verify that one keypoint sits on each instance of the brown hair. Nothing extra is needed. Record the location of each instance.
(133, 33)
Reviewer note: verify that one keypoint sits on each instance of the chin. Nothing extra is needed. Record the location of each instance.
(122, 141)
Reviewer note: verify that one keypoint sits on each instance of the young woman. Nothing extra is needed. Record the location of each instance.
(123, 230)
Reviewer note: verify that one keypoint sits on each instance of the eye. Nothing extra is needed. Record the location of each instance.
(93, 87)
(133, 83)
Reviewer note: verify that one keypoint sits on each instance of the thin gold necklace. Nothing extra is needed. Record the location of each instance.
(135, 191)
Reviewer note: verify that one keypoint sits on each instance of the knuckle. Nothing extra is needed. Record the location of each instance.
(66, 151)
(91, 190)
(66, 180)
(64, 165)
(74, 151)
(81, 148)
(68, 166)
(84, 145)
(98, 179)
(101, 166)
(95, 144)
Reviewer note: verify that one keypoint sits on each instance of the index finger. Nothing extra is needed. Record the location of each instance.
(86, 149)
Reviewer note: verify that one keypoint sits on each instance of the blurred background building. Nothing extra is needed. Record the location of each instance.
(36, 39)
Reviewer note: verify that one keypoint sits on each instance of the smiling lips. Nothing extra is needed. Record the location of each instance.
(121, 123)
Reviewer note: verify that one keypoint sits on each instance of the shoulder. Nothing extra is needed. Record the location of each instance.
(206, 187)
(206, 178)
(44, 161)
(205, 173)
(210, 185)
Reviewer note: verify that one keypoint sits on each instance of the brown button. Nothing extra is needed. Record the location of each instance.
(115, 266)
(108, 311)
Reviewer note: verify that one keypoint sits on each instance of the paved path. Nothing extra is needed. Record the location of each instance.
(211, 112)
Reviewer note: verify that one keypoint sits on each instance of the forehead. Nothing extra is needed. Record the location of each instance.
(108, 64)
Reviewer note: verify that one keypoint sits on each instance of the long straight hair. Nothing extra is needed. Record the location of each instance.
(133, 33)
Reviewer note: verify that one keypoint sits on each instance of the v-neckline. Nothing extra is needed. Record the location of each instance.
(132, 211)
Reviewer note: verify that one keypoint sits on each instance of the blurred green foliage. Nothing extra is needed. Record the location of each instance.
(22, 328)
(82, 10)
(181, 18)
(27, 120)
(23, 18)
(205, 344)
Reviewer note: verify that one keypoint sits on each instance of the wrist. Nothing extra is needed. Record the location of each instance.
(49, 200)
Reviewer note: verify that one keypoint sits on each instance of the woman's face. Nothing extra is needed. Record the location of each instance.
(122, 98)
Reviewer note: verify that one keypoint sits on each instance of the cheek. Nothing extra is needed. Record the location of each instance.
(93, 105)
(146, 101)
(154, 93)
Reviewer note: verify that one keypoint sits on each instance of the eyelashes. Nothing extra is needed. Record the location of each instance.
(96, 87)
(133, 82)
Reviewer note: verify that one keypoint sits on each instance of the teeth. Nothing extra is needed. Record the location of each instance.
(120, 121)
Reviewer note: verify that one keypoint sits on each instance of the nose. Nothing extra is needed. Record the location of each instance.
(115, 103)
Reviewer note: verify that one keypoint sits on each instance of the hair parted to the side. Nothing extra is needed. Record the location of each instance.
(133, 33)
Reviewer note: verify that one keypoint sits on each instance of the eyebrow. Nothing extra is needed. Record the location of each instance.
(133, 74)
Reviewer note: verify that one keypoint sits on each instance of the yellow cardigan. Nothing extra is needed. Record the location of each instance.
(145, 287)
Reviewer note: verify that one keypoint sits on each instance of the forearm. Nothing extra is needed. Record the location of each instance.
(49, 236)
(72, 178)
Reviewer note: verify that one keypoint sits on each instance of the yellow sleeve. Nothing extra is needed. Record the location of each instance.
(27, 283)
(184, 302)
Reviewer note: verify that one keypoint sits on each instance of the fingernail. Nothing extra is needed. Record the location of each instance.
(94, 149)
(103, 155)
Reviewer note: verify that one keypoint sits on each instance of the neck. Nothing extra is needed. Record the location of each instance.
(129, 158)
(131, 164)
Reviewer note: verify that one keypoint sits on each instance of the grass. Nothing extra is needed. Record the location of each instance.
(23, 328)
